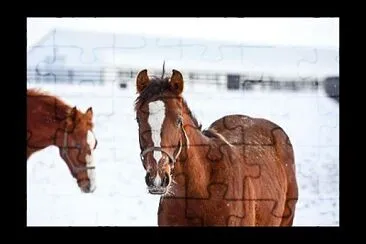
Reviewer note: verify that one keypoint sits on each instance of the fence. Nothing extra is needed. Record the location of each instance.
(123, 77)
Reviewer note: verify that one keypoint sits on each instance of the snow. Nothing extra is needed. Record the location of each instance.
(53, 199)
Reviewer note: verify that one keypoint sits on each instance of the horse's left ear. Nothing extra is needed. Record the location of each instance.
(73, 113)
(176, 82)
(89, 112)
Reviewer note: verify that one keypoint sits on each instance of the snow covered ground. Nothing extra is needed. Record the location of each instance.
(310, 118)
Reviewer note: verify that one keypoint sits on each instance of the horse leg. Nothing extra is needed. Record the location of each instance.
(250, 206)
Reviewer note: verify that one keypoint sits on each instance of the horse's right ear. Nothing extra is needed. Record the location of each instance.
(177, 82)
(73, 113)
(142, 80)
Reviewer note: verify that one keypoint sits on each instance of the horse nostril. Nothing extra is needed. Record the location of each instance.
(165, 181)
(148, 180)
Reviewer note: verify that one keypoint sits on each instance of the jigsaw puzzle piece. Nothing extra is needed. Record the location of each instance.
(296, 105)
(212, 54)
(307, 161)
(326, 108)
(56, 116)
(244, 139)
(306, 63)
(241, 58)
(198, 210)
(104, 105)
(247, 141)
(42, 71)
(172, 48)
(281, 107)
(63, 52)
(128, 50)
(249, 58)
(328, 171)
(328, 136)
(323, 211)
(318, 170)
(52, 55)
(177, 50)
(316, 64)
(192, 51)
(185, 54)
(231, 53)
(83, 52)
(174, 201)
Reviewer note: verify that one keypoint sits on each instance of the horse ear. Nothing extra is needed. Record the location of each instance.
(142, 80)
(176, 82)
(89, 112)
(72, 114)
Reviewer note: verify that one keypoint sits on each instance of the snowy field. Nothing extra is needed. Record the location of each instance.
(53, 199)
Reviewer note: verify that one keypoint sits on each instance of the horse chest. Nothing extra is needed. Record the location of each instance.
(200, 212)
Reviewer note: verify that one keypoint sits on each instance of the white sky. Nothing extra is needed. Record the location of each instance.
(314, 32)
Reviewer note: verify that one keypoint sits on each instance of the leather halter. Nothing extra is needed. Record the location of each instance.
(151, 149)
(74, 168)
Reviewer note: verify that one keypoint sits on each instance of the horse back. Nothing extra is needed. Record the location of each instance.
(260, 135)
(263, 145)
(241, 129)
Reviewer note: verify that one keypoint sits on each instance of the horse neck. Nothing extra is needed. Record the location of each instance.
(43, 127)
(192, 161)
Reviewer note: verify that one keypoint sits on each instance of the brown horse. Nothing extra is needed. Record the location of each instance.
(240, 171)
(51, 122)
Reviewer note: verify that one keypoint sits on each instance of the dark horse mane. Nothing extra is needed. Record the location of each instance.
(156, 87)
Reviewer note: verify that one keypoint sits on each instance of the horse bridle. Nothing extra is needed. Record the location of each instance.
(173, 158)
(74, 169)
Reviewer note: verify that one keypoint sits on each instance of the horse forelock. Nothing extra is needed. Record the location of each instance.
(159, 88)
(156, 87)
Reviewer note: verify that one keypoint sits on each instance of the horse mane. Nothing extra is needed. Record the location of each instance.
(212, 133)
(157, 87)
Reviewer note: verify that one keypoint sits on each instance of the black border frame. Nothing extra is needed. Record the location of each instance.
(18, 159)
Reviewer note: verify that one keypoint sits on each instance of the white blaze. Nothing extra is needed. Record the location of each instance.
(156, 119)
(157, 180)
(90, 139)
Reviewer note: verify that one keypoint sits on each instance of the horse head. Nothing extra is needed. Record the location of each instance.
(159, 114)
(77, 143)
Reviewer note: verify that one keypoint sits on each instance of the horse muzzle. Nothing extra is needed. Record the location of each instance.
(157, 190)
(86, 187)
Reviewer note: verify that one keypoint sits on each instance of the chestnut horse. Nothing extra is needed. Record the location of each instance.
(51, 122)
(240, 171)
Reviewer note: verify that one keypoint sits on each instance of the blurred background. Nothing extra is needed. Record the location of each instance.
(282, 69)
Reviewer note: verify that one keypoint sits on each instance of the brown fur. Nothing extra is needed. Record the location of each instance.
(240, 171)
(48, 117)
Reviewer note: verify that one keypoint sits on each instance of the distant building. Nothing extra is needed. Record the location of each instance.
(331, 86)
(77, 57)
